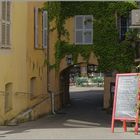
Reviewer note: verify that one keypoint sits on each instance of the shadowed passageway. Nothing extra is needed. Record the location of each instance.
(87, 105)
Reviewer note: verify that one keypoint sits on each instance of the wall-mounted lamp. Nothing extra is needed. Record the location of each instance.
(69, 59)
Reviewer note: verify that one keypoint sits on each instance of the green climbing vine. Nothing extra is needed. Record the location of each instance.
(63, 48)
(111, 53)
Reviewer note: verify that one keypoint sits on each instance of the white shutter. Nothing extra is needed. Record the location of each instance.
(36, 27)
(3, 10)
(8, 34)
(79, 29)
(3, 24)
(3, 32)
(45, 25)
(135, 16)
(8, 25)
(79, 22)
(88, 30)
(88, 37)
(0, 24)
(8, 10)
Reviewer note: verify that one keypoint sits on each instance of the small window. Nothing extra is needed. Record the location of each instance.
(32, 87)
(84, 29)
(123, 27)
(8, 97)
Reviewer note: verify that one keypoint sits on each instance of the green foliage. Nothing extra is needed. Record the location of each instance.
(132, 35)
(98, 79)
(124, 55)
(85, 81)
(51, 66)
(111, 54)
(80, 81)
(63, 48)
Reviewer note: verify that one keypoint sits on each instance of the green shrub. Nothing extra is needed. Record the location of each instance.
(83, 81)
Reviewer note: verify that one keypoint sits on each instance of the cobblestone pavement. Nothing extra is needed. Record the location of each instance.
(83, 119)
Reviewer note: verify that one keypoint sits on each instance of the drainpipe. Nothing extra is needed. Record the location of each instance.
(48, 73)
(52, 103)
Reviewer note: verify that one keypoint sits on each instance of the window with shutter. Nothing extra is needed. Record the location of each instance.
(36, 39)
(84, 29)
(5, 25)
(45, 24)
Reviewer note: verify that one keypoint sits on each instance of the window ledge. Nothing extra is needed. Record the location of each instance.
(83, 44)
(42, 49)
(5, 48)
(137, 60)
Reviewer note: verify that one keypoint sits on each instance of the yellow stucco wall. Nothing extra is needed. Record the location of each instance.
(13, 64)
(35, 57)
(35, 62)
(22, 62)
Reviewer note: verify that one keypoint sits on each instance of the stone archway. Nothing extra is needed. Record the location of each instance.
(65, 77)
(59, 82)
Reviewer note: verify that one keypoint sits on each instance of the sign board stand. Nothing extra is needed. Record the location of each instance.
(136, 123)
(137, 114)
(125, 100)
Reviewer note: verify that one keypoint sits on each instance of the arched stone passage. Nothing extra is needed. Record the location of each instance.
(59, 81)
(64, 79)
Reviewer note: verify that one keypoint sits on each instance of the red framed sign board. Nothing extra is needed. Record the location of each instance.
(125, 100)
